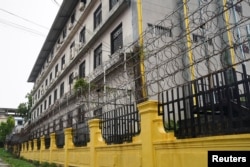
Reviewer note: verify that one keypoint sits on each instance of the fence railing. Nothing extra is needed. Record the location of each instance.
(120, 125)
(80, 134)
(211, 105)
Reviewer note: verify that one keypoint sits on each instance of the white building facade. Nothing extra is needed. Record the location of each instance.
(86, 41)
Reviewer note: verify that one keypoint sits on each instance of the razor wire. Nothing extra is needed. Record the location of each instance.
(198, 38)
(210, 36)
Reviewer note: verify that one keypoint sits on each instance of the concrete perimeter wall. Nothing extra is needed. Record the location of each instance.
(153, 147)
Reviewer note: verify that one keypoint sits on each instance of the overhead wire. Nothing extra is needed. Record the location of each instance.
(20, 17)
(21, 27)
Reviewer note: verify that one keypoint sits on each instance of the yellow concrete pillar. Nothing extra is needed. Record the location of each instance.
(35, 145)
(52, 145)
(151, 131)
(52, 140)
(30, 143)
(68, 144)
(68, 138)
(95, 136)
(42, 145)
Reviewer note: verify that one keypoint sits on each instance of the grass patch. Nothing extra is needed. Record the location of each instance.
(14, 161)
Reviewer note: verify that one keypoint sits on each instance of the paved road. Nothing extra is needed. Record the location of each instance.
(2, 164)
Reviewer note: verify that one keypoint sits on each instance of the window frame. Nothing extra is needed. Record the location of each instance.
(98, 56)
(62, 89)
(62, 62)
(114, 37)
(98, 16)
(55, 95)
(82, 35)
(82, 68)
(71, 78)
(112, 3)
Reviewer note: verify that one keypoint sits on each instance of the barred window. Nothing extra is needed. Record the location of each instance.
(98, 56)
(116, 39)
(160, 30)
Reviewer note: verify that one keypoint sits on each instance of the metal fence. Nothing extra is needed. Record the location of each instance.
(216, 104)
(194, 61)
(120, 125)
(80, 134)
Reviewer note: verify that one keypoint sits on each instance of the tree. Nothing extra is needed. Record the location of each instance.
(23, 110)
(29, 103)
(6, 128)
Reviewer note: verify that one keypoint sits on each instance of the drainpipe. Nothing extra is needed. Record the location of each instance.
(229, 35)
(140, 31)
(189, 46)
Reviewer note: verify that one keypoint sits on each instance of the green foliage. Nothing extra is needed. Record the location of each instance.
(29, 103)
(44, 164)
(22, 109)
(6, 128)
(81, 85)
(13, 161)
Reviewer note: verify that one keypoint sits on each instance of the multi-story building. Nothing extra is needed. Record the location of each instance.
(181, 41)
(86, 41)
(102, 58)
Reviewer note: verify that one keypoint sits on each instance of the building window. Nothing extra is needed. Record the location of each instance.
(63, 62)
(41, 108)
(64, 32)
(61, 89)
(116, 39)
(71, 78)
(98, 56)
(50, 77)
(49, 100)
(55, 95)
(82, 36)
(38, 93)
(98, 16)
(160, 30)
(112, 3)
(82, 70)
(72, 18)
(45, 104)
(72, 53)
(56, 70)
(198, 38)
(46, 82)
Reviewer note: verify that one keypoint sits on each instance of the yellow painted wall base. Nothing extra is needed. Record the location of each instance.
(152, 148)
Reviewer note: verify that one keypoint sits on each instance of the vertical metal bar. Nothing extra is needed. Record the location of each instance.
(179, 100)
(173, 109)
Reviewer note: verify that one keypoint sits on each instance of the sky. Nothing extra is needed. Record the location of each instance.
(24, 25)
